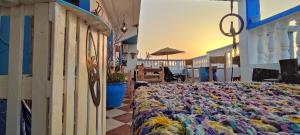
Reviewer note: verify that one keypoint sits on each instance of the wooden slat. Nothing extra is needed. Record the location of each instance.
(217, 59)
(26, 87)
(4, 11)
(81, 82)
(10, 3)
(193, 73)
(210, 72)
(225, 72)
(28, 10)
(15, 71)
(91, 19)
(40, 69)
(56, 92)
(103, 90)
(69, 82)
(189, 62)
(91, 107)
(100, 111)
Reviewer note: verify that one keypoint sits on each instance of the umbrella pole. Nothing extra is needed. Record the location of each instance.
(167, 60)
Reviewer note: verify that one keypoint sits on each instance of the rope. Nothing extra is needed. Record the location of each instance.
(233, 33)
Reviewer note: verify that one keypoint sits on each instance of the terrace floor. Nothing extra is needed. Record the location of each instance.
(118, 120)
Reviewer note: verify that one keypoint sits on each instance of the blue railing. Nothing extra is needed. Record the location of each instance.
(274, 18)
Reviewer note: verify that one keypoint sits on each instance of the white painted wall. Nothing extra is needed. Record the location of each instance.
(246, 71)
(131, 62)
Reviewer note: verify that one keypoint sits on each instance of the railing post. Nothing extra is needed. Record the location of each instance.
(284, 40)
(291, 44)
(271, 45)
(57, 73)
(14, 91)
(40, 69)
(260, 47)
(178, 66)
(298, 39)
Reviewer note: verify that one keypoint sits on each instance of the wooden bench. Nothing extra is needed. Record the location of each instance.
(151, 75)
(190, 65)
(216, 60)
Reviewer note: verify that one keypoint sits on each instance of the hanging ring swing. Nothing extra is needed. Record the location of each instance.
(92, 64)
(232, 34)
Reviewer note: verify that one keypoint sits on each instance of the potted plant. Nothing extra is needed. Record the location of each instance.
(116, 85)
(115, 90)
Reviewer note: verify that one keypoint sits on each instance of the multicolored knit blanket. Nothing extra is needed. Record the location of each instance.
(217, 109)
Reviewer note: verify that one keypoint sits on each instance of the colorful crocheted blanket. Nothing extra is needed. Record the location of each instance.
(217, 109)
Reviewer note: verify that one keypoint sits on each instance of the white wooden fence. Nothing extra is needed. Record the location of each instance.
(202, 61)
(275, 41)
(58, 87)
(177, 66)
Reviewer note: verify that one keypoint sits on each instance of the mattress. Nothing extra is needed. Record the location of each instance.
(236, 108)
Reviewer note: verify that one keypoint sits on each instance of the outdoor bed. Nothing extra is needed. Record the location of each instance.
(217, 109)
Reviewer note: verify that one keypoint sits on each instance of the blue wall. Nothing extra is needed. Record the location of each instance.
(27, 57)
(85, 4)
(253, 11)
(4, 45)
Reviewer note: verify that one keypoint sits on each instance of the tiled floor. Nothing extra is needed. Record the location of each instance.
(118, 121)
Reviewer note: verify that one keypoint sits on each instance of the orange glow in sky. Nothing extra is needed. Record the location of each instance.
(190, 25)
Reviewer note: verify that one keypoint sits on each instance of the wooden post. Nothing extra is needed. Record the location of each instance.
(210, 72)
(69, 81)
(162, 74)
(101, 114)
(56, 92)
(81, 82)
(193, 73)
(15, 71)
(41, 44)
(200, 76)
(103, 109)
(91, 116)
(225, 70)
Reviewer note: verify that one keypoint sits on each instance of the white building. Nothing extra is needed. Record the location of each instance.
(262, 43)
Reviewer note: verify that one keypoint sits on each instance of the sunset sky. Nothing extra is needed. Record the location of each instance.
(190, 25)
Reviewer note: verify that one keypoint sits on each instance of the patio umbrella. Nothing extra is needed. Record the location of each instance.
(166, 51)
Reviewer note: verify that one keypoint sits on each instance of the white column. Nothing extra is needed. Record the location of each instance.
(245, 42)
(271, 45)
(284, 40)
(260, 47)
(298, 39)
(291, 49)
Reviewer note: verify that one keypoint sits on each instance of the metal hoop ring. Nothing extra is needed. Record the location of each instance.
(93, 70)
(240, 29)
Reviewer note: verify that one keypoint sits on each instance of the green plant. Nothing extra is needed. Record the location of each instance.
(116, 78)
